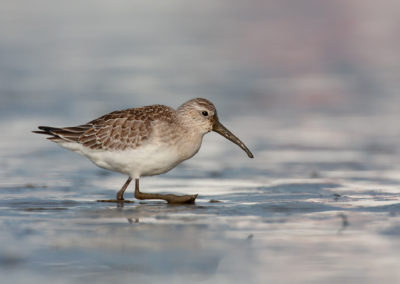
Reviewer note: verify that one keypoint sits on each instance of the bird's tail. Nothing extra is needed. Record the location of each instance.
(66, 134)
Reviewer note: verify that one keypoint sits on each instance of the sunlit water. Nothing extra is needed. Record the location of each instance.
(320, 203)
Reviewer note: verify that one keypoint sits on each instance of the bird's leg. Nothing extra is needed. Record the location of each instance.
(120, 193)
(138, 194)
(170, 198)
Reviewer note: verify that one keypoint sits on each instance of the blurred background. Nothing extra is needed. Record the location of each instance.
(77, 59)
(310, 86)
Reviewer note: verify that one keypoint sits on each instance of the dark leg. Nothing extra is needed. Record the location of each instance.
(170, 198)
(137, 191)
(120, 194)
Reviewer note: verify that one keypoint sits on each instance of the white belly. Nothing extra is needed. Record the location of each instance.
(149, 159)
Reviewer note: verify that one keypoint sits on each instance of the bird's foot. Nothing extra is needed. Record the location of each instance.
(170, 198)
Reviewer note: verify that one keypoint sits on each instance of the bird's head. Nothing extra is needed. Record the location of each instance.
(201, 115)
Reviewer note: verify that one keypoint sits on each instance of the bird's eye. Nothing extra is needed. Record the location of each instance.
(204, 113)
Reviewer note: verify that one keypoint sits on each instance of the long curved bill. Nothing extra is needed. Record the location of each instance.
(219, 128)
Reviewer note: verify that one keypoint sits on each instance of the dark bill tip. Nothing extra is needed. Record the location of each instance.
(222, 130)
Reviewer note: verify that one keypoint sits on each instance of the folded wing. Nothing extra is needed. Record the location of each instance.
(118, 130)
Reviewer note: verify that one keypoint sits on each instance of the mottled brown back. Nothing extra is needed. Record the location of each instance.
(118, 130)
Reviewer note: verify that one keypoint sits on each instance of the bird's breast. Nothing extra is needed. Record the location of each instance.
(187, 148)
(184, 142)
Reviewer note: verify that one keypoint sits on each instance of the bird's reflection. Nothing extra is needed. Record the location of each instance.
(345, 223)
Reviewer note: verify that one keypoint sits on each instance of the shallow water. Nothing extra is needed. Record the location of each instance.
(320, 203)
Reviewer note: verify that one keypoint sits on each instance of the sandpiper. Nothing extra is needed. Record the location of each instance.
(144, 141)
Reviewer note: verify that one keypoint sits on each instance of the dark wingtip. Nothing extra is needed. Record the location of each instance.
(44, 130)
(251, 156)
